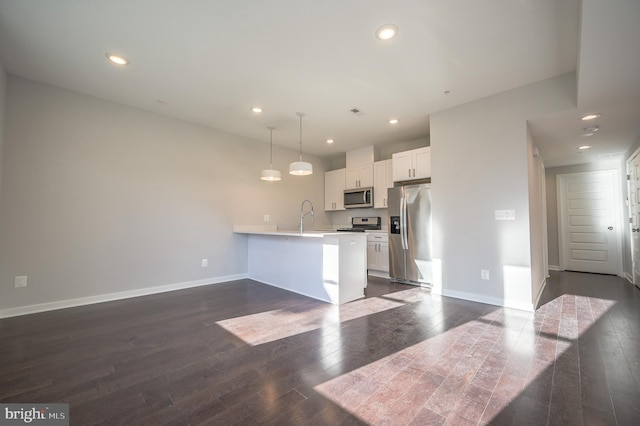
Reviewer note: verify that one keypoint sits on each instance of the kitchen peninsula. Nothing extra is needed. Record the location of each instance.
(328, 266)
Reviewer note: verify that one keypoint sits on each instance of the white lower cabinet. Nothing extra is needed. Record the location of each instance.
(378, 252)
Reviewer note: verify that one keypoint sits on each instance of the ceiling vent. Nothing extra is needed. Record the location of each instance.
(357, 112)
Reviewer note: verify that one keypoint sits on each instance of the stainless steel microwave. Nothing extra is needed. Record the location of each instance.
(358, 198)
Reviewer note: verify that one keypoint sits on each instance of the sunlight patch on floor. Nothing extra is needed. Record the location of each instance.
(264, 327)
(444, 367)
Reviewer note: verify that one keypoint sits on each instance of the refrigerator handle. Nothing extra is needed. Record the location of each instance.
(403, 222)
(405, 230)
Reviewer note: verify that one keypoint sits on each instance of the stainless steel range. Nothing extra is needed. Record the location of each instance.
(363, 224)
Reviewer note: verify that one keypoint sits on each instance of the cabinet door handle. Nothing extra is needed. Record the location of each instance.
(409, 172)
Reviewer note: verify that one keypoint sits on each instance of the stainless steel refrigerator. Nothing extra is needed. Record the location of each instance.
(410, 234)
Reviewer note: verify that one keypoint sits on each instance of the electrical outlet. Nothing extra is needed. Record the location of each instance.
(205, 263)
(20, 281)
(266, 218)
(484, 274)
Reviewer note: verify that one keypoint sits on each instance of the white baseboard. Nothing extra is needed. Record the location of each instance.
(379, 274)
(628, 277)
(529, 307)
(553, 267)
(62, 304)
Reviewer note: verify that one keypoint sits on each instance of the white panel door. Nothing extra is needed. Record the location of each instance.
(633, 172)
(589, 225)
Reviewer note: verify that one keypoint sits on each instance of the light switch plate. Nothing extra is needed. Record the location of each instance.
(505, 214)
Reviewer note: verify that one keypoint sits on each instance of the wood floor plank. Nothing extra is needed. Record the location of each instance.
(246, 353)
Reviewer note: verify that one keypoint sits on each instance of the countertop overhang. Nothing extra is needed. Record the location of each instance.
(273, 230)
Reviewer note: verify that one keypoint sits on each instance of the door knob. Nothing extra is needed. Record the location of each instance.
(610, 228)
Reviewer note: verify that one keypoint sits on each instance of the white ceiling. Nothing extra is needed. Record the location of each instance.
(210, 61)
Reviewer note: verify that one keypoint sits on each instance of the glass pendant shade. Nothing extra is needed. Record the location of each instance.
(300, 168)
(270, 174)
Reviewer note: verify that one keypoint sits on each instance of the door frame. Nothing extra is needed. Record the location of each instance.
(628, 223)
(618, 215)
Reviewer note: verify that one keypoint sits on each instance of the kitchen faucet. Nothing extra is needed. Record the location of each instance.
(303, 214)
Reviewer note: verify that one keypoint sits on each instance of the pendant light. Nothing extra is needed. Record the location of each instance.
(270, 174)
(300, 168)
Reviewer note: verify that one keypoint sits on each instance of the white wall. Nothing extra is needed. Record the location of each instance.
(101, 198)
(482, 166)
(3, 95)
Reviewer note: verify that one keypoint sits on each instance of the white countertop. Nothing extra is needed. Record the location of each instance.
(273, 230)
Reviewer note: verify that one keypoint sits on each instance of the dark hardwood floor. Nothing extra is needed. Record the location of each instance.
(246, 353)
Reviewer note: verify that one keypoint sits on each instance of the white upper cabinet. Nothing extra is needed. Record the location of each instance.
(359, 176)
(334, 190)
(422, 163)
(382, 180)
(359, 172)
(413, 164)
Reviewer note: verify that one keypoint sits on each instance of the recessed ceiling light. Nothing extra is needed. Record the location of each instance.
(256, 109)
(330, 141)
(583, 147)
(393, 121)
(591, 129)
(117, 59)
(386, 32)
(586, 135)
(591, 117)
